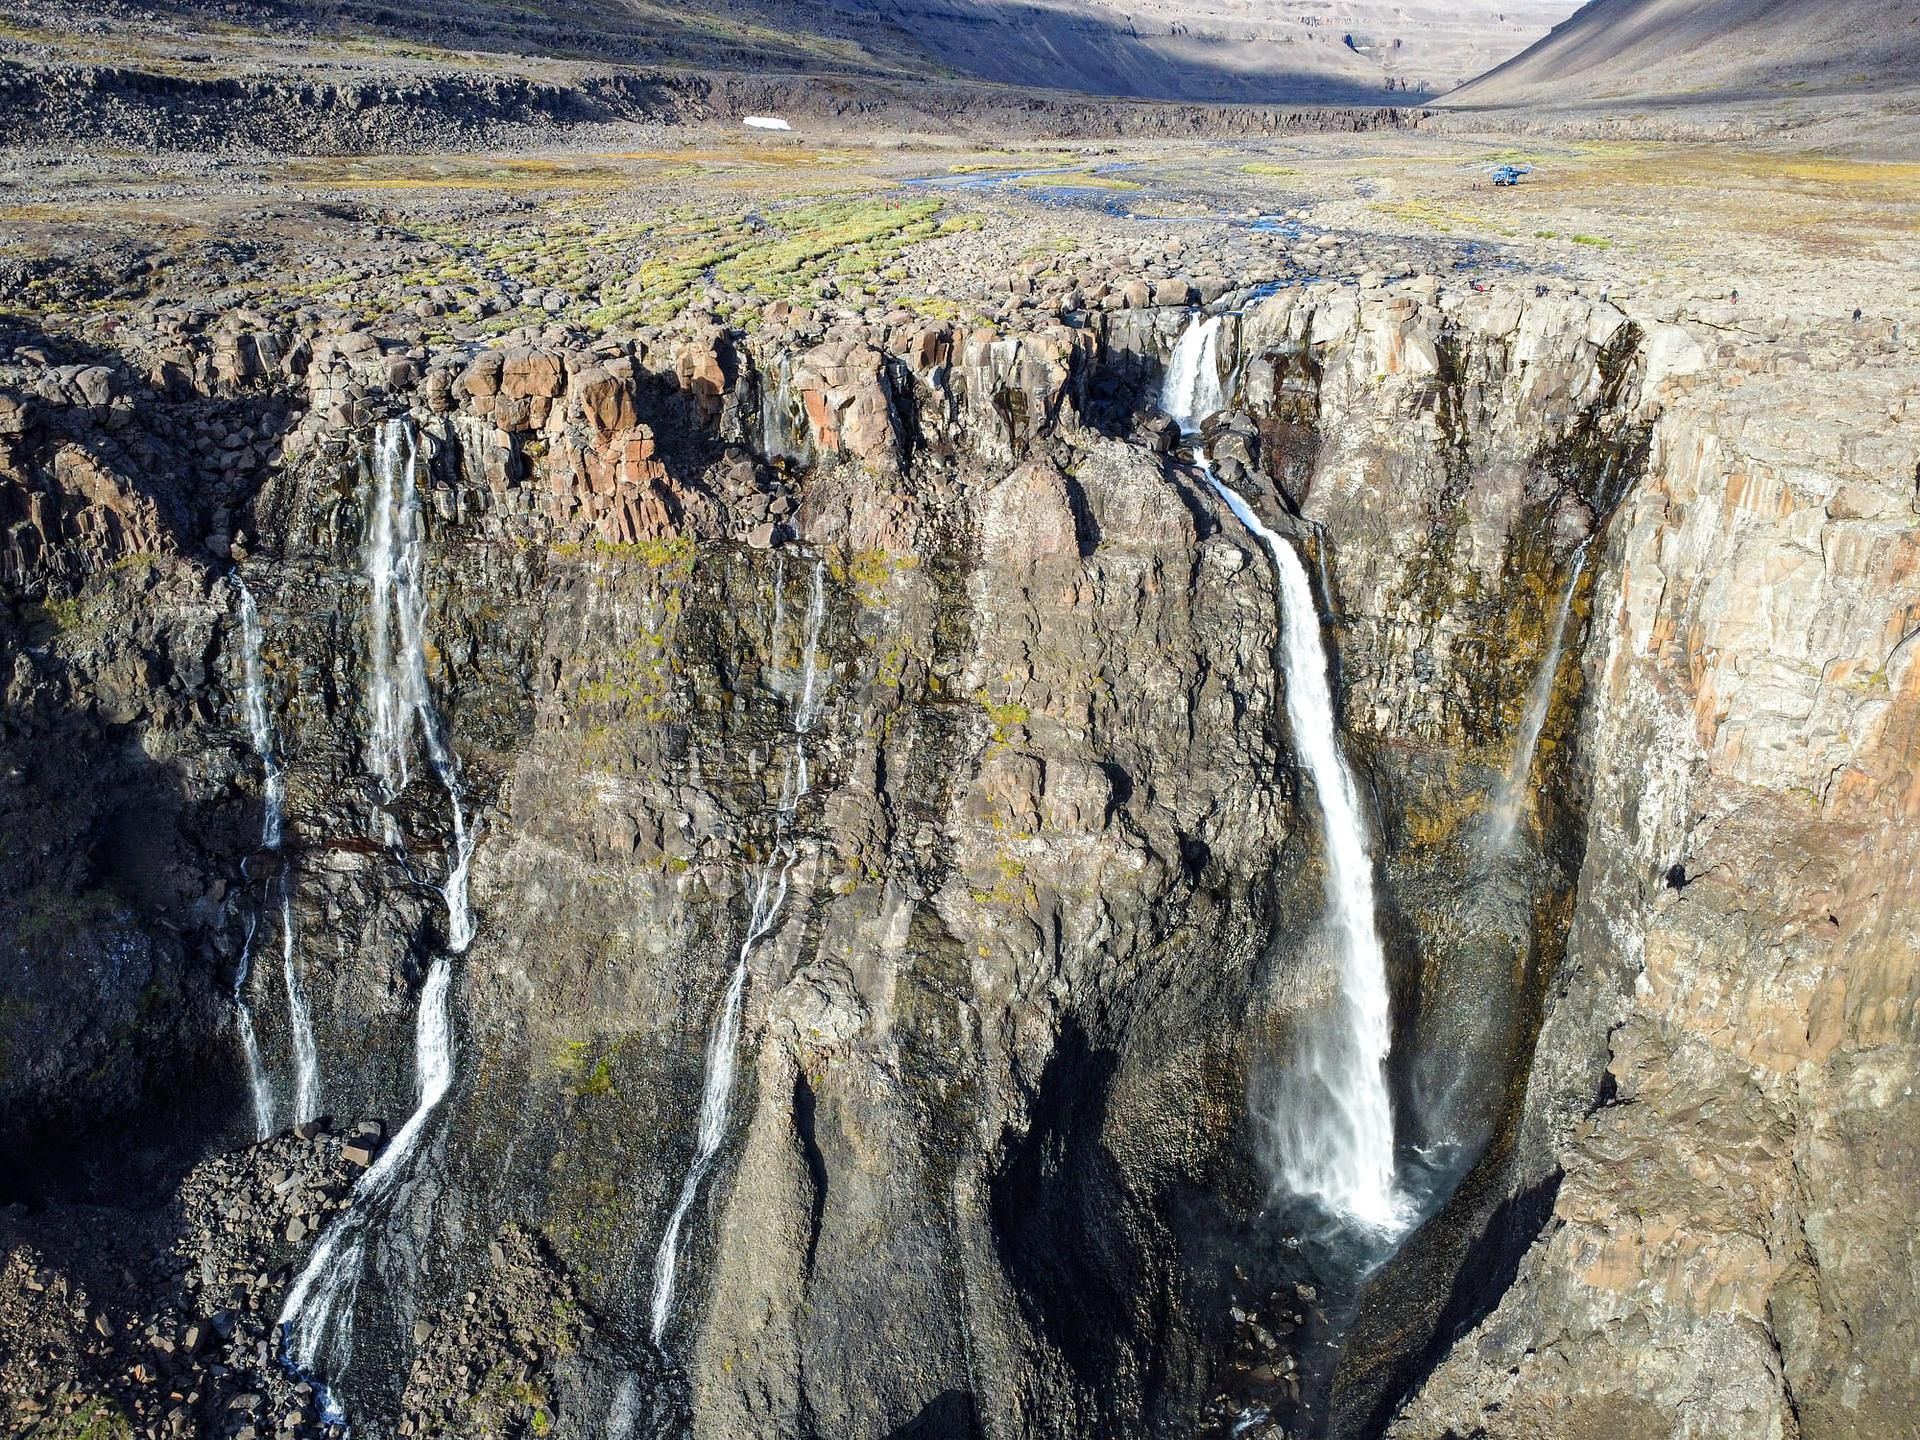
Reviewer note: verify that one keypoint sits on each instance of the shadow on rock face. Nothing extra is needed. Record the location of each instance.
(949, 1416)
(1060, 1214)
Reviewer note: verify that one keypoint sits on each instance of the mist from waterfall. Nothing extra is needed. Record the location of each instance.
(1503, 823)
(769, 896)
(258, 1087)
(317, 1319)
(1331, 1126)
(273, 789)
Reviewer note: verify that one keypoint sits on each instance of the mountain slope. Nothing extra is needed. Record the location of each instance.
(1727, 51)
(1341, 52)
(1347, 51)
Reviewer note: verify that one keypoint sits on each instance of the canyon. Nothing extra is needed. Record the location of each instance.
(1050, 908)
(1009, 766)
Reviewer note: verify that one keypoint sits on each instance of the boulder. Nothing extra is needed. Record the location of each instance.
(1173, 292)
(531, 375)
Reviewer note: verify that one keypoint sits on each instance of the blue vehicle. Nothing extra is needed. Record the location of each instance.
(1510, 174)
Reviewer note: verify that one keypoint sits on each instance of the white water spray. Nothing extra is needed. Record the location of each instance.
(257, 1086)
(1193, 389)
(273, 791)
(1332, 1128)
(769, 895)
(317, 1318)
(1510, 800)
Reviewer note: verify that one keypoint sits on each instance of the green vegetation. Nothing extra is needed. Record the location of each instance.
(869, 573)
(586, 1078)
(1011, 887)
(1004, 720)
(1439, 217)
(501, 1396)
(1010, 163)
(94, 1420)
(674, 554)
(1076, 180)
(1005, 717)
(56, 616)
(780, 255)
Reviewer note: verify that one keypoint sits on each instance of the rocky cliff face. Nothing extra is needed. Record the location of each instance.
(900, 671)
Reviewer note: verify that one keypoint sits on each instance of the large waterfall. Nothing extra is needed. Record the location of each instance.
(317, 1318)
(769, 895)
(1510, 799)
(1332, 1124)
(306, 1062)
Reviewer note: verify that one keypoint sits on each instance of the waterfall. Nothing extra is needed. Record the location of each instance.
(257, 1085)
(306, 1101)
(769, 895)
(316, 1321)
(1332, 1127)
(273, 792)
(398, 696)
(1510, 799)
(306, 1055)
(778, 440)
(1193, 389)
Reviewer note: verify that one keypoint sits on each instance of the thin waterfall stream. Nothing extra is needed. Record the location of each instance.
(1510, 800)
(306, 1059)
(257, 1085)
(769, 896)
(316, 1322)
(1332, 1126)
(306, 1053)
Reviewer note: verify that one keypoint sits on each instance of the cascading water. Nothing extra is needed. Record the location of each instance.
(780, 438)
(317, 1319)
(1193, 389)
(306, 1092)
(398, 695)
(1510, 800)
(1332, 1128)
(769, 895)
(257, 1085)
(273, 792)
(306, 1054)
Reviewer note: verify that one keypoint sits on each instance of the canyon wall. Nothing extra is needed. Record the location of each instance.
(993, 1162)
